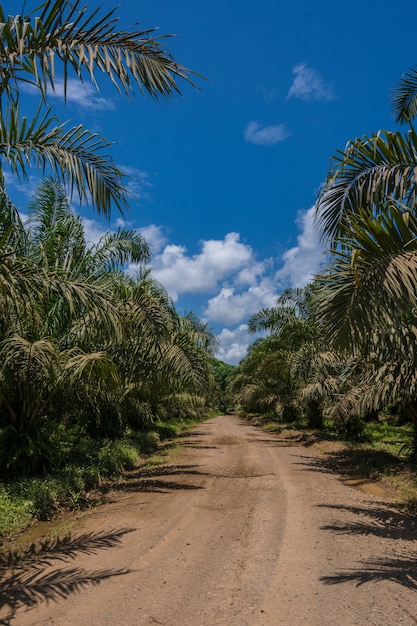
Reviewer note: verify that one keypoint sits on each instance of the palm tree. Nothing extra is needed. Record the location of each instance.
(366, 299)
(70, 36)
(292, 322)
(262, 382)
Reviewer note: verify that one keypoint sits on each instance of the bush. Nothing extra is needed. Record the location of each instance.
(116, 456)
(15, 514)
(45, 495)
(30, 451)
(146, 442)
(353, 429)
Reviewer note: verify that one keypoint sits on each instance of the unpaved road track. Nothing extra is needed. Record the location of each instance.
(241, 530)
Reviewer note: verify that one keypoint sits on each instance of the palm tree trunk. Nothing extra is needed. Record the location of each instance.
(314, 415)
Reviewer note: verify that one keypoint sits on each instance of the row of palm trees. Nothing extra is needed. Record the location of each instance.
(347, 343)
(81, 341)
(82, 344)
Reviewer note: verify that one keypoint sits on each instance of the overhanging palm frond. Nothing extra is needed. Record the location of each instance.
(372, 281)
(75, 156)
(368, 173)
(404, 98)
(85, 41)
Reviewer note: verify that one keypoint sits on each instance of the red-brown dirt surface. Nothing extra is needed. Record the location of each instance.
(242, 529)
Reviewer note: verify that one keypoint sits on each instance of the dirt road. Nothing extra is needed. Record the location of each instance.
(242, 530)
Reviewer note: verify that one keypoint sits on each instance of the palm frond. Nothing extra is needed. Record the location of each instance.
(372, 280)
(74, 156)
(115, 249)
(93, 367)
(368, 173)
(404, 97)
(85, 41)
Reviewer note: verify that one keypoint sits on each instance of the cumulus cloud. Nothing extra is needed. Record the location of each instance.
(217, 261)
(233, 344)
(154, 237)
(265, 135)
(93, 230)
(309, 85)
(305, 259)
(231, 307)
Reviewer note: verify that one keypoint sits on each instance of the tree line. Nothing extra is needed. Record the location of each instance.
(85, 349)
(344, 347)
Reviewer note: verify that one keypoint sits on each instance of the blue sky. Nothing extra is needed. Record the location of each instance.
(224, 179)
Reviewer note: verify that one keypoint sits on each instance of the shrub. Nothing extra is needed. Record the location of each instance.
(15, 514)
(116, 456)
(146, 442)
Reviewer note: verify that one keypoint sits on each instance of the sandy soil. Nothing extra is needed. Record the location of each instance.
(241, 530)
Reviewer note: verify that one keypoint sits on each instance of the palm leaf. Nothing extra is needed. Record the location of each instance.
(368, 173)
(85, 41)
(372, 281)
(74, 155)
(405, 97)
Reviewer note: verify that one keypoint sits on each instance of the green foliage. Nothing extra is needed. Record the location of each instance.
(146, 442)
(223, 374)
(15, 514)
(44, 495)
(87, 345)
(115, 456)
(37, 450)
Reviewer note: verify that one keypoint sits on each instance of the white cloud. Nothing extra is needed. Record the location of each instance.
(20, 186)
(305, 259)
(233, 344)
(153, 236)
(217, 261)
(93, 230)
(122, 223)
(137, 182)
(230, 307)
(82, 94)
(309, 85)
(265, 135)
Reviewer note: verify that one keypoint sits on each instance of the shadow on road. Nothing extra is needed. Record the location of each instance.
(154, 479)
(384, 521)
(401, 571)
(36, 582)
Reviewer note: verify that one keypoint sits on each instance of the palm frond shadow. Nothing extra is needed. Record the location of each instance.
(385, 521)
(350, 462)
(401, 571)
(154, 486)
(30, 585)
(154, 479)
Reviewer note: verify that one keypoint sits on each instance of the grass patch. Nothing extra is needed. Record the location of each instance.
(15, 514)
